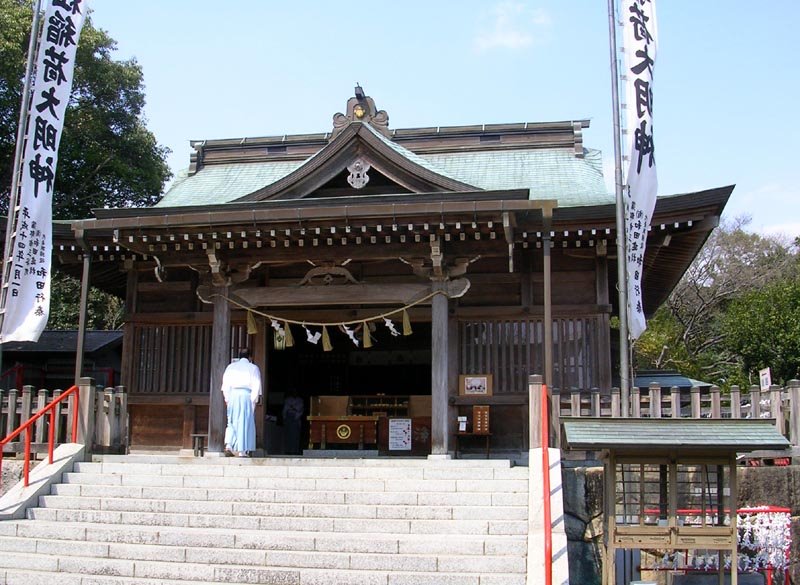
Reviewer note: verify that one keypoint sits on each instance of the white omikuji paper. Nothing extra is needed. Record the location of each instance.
(28, 298)
(640, 41)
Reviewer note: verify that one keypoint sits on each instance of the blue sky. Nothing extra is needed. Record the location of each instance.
(725, 92)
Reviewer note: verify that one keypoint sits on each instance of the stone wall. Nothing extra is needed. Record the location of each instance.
(12, 473)
(583, 520)
(583, 512)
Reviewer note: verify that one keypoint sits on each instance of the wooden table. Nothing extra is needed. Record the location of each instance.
(360, 430)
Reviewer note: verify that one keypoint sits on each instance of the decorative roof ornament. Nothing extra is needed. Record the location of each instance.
(361, 108)
(358, 173)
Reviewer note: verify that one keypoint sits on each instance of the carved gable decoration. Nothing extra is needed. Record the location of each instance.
(362, 154)
(361, 108)
(358, 177)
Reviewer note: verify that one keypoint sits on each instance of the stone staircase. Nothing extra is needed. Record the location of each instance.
(165, 520)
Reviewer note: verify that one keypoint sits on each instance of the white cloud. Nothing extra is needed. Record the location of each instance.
(513, 26)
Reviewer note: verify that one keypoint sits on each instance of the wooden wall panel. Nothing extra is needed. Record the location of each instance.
(512, 349)
(156, 425)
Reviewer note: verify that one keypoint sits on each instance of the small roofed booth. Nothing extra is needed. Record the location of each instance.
(670, 485)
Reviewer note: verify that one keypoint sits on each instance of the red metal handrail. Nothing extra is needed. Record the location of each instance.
(27, 428)
(548, 529)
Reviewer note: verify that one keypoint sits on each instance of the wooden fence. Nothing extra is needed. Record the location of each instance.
(779, 404)
(111, 418)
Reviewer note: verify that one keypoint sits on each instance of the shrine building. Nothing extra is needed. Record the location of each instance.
(379, 274)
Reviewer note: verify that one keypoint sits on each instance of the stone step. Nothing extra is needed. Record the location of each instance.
(405, 462)
(271, 509)
(249, 522)
(214, 572)
(411, 562)
(269, 468)
(75, 488)
(166, 520)
(132, 535)
(299, 484)
(303, 577)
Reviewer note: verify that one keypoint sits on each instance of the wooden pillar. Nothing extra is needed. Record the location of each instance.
(128, 339)
(439, 367)
(220, 358)
(535, 408)
(259, 351)
(87, 265)
(86, 405)
(609, 502)
(794, 412)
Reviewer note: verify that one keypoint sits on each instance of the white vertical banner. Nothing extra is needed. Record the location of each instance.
(640, 42)
(28, 294)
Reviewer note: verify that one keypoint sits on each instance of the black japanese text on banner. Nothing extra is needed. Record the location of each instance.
(640, 41)
(28, 297)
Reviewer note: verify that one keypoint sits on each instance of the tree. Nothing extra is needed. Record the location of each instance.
(103, 311)
(688, 332)
(107, 157)
(763, 327)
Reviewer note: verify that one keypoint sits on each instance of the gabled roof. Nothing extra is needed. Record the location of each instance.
(359, 141)
(667, 379)
(647, 435)
(66, 342)
(548, 159)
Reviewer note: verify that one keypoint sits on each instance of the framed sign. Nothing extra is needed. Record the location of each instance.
(399, 434)
(475, 385)
(765, 378)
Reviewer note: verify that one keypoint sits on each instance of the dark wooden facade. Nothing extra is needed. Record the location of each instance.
(310, 247)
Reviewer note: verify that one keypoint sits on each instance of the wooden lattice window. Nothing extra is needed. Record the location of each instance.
(642, 494)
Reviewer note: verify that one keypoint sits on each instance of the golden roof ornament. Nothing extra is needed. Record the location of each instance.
(361, 108)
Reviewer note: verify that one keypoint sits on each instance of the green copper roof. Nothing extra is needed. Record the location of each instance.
(548, 173)
(216, 184)
(648, 434)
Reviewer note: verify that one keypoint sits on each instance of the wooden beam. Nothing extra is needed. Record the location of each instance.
(348, 294)
(352, 294)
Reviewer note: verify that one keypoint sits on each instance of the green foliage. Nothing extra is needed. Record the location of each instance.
(104, 311)
(107, 157)
(690, 333)
(763, 327)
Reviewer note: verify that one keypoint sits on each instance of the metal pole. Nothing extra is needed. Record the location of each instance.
(18, 152)
(622, 280)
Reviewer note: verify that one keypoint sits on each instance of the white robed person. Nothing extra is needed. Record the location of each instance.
(241, 387)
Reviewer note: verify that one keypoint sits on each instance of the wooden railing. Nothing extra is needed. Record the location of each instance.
(19, 406)
(25, 430)
(780, 404)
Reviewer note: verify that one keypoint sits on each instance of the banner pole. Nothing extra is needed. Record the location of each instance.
(622, 271)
